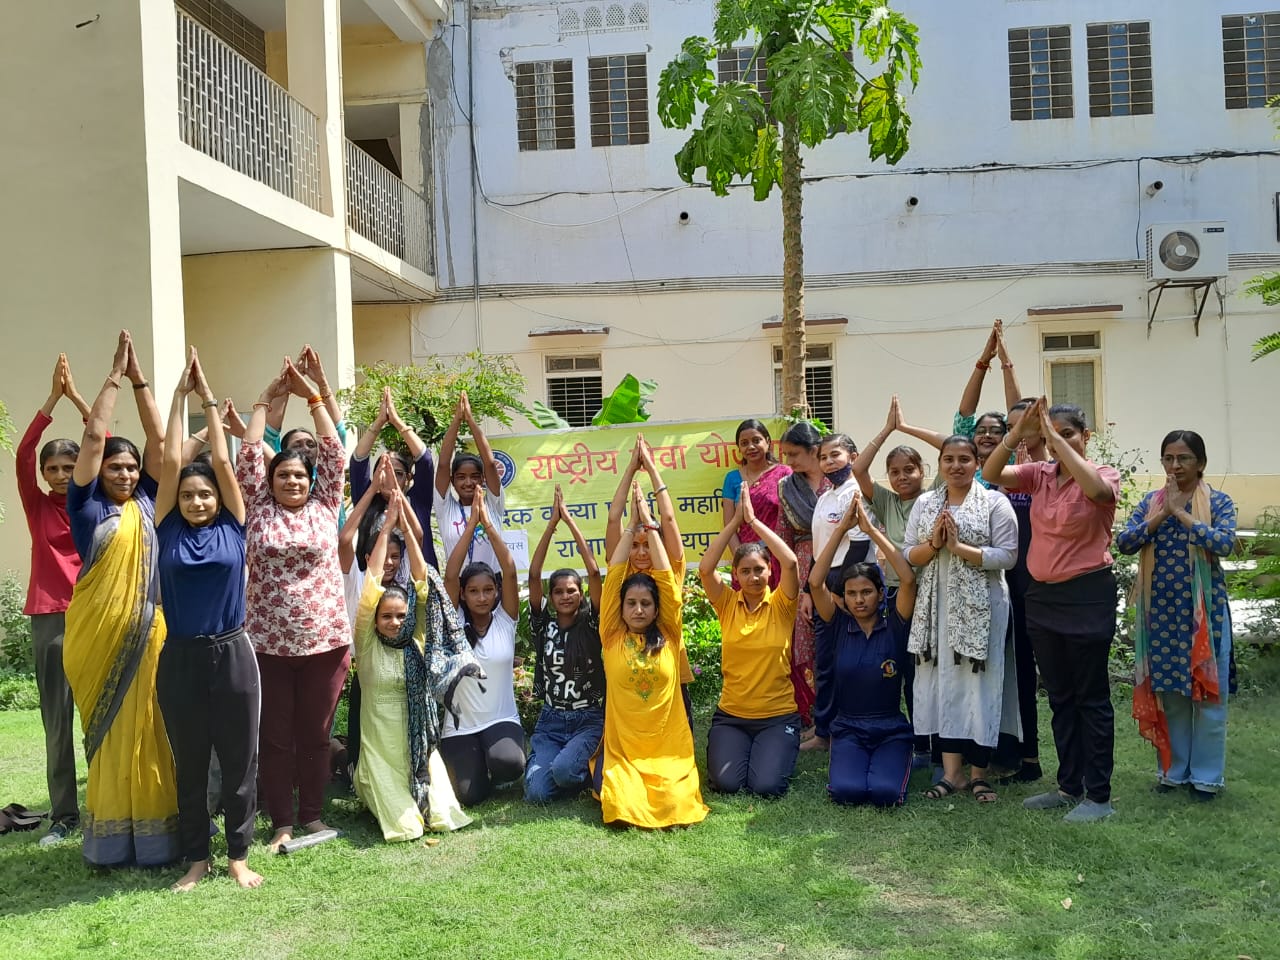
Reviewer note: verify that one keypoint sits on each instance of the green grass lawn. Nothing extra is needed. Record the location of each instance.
(800, 877)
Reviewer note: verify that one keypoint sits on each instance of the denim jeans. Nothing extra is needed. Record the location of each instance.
(562, 744)
(1198, 731)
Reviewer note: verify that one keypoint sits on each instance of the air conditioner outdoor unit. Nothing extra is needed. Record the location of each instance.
(1187, 251)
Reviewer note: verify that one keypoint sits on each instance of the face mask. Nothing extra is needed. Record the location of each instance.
(838, 477)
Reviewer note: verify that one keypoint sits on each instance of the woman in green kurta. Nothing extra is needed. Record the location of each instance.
(410, 653)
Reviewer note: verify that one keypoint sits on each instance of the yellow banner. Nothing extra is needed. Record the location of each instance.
(589, 463)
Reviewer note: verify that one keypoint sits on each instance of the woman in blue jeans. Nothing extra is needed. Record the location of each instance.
(568, 674)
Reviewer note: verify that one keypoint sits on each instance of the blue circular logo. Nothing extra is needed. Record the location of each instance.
(506, 468)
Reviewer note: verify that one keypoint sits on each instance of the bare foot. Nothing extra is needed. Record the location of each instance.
(241, 874)
(315, 826)
(195, 873)
(282, 835)
(814, 743)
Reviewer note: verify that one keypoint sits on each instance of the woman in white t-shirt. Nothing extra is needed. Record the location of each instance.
(835, 457)
(483, 742)
(457, 480)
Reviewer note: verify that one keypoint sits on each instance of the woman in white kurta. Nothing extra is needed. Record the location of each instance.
(962, 537)
(410, 652)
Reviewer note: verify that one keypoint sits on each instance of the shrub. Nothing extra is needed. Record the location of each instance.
(18, 691)
(1261, 582)
(15, 627)
(702, 643)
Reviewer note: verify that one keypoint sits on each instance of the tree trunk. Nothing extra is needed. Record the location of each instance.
(794, 397)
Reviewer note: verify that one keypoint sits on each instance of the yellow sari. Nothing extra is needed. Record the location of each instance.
(115, 631)
(649, 777)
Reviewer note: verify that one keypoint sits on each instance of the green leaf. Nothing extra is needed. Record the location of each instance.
(544, 418)
(684, 83)
(812, 86)
(1265, 346)
(626, 404)
(766, 162)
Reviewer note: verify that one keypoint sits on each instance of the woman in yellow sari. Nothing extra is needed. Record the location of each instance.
(648, 777)
(114, 634)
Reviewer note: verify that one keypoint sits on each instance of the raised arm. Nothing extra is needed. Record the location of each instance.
(1012, 393)
(540, 556)
(618, 505)
(89, 462)
(448, 443)
(501, 553)
(485, 452)
(668, 529)
(972, 394)
(369, 436)
(148, 413)
(313, 368)
(417, 559)
(865, 459)
(171, 457)
(711, 582)
(407, 433)
(27, 459)
(316, 403)
(789, 582)
(594, 586)
(69, 389)
(823, 602)
(351, 528)
(272, 392)
(378, 555)
(458, 556)
(997, 471)
(1086, 474)
(906, 601)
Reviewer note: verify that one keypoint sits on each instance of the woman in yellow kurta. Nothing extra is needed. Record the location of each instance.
(648, 777)
(410, 653)
(115, 631)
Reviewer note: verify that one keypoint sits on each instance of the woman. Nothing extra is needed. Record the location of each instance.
(966, 421)
(755, 732)
(862, 652)
(414, 469)
(798, 494)
(1182, 624)
(54, 568)
(115, 631)
(483, 742)
(568, 672)
(411, 652)
(759, 474)
(207, 680)
(295, 612)
(457, 480)
(1071, 600)
(646, 775)
(961, 537)
(639, 560)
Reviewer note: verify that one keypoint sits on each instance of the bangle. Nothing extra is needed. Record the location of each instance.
(114, 383)
(209, 403)
(263, 404)
(660, 489)
(314, 399)
(1006, 366)
(1004, 442)
(982, 365)
(141, 386)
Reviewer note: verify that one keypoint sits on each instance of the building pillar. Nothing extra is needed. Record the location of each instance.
(313, 40)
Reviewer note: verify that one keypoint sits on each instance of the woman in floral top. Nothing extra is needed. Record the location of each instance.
(295, 613)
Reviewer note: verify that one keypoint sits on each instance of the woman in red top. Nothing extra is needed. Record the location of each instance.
(54, 568)
(1070, 599)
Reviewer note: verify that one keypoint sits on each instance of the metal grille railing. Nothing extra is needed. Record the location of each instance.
(385, 210)
(235, 113)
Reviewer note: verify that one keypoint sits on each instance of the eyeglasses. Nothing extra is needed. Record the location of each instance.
(989, 432)
(1181, 459)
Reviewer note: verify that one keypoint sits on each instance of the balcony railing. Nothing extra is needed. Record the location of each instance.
(383, 209)
(235, 113)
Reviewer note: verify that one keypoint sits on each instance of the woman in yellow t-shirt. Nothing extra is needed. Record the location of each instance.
(755, 732)
(646, 775)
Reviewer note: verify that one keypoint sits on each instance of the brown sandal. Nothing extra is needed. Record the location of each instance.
(983, 791)
(943, 788)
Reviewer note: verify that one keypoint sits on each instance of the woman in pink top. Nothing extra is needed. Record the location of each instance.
(295, 615)
(1070, 599)
(54, 568)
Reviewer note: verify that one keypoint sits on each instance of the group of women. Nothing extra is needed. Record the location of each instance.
(203, 612)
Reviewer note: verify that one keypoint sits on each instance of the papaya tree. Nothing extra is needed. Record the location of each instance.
(817, 69)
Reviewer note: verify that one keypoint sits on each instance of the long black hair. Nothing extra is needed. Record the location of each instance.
(59, 448)
(653, 640)
(476, 569)
(576, 649)
(751, 423)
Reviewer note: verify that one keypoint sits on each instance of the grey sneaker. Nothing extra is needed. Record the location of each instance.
(1048, 801)
(57, 833)
(1088, 811)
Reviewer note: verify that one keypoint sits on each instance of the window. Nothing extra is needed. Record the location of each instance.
(819, 382)
(1251, 59)
(1119, 69)
(1073, 371)
(575, 388)
(544, 105)
(619, 91)
(1040, 73)
(733, 64)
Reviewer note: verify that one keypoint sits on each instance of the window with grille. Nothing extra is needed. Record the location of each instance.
(618, 88)
(1119, 69)
(1251, 59)
(544, 105)
(1040, 73)
(231, 27)
(1073, 364)
(575, 389)
(819, 382)
(735, 64)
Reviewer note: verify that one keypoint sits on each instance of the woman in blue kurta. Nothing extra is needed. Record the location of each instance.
(1182, 623)
(861, 653)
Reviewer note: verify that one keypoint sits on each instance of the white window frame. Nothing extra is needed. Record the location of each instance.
(583, 366)
(1053, 356)
(810, 362)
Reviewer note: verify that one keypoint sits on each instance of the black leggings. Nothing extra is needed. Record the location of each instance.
(754, 755)
(972, 752)
(210, 696)
(477, 762)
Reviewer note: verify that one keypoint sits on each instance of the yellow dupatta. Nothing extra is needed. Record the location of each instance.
(114, 635)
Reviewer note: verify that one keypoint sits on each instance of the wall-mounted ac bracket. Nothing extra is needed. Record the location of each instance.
(1201, 287)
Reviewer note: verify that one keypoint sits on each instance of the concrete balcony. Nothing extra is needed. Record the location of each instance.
(393, 218)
